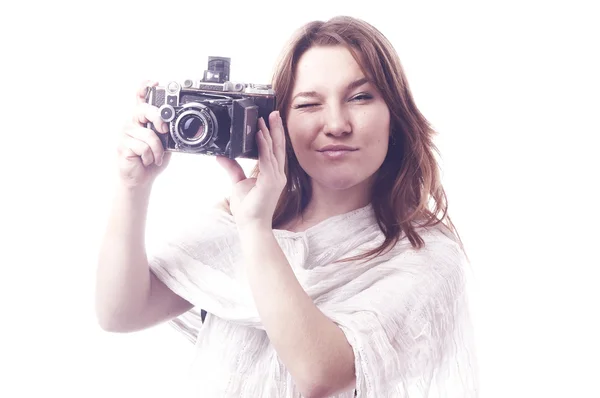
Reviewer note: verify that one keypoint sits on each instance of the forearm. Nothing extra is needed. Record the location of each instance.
(123, 277)
(311, 346)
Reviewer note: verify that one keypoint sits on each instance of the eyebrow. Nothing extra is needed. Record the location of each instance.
(351, 86)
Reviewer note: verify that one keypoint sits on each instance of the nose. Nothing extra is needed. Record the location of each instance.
(336, 122)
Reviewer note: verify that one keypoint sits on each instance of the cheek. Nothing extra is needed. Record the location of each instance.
(377, 147)
(301, 131)
(376, 124)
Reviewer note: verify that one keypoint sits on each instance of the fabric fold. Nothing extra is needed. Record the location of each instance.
(405, 313)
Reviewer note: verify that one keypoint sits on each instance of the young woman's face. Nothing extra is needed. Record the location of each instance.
(338, 122)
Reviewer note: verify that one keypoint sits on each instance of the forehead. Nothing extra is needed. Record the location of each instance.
(326, 67)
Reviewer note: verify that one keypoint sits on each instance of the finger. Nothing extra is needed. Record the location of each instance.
(149, 137)
(265, 157)
(145, 113)
(166, 159)
(278, 136)
(143, 90)
(266, 134)
(265, 154)
(267, 164)
(233, 168)
(136, 148)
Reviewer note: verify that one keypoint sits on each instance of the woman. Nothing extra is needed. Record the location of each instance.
(326, 273)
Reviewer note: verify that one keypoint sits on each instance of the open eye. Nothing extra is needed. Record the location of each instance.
(362, 97)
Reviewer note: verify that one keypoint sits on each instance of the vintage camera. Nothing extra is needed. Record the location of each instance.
(212, 116)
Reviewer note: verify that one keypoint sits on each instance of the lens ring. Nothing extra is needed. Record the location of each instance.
(194, 126)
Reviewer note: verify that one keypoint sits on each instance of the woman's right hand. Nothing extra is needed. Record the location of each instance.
(141, 154)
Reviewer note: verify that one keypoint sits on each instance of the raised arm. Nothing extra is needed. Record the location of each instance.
(128, 295)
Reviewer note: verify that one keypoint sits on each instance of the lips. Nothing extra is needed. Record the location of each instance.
(337, 148)
(337, 151)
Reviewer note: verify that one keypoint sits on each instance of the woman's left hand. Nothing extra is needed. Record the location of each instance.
(253, 200)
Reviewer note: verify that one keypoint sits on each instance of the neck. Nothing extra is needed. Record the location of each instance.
(326, 202)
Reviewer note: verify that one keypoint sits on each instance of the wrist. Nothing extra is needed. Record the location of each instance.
(254, 238)
(135, 193)
(254, 227)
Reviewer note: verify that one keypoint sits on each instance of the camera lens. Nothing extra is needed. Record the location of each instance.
(192, 127)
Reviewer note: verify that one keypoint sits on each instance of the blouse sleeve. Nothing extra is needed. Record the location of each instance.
(409, 329)
(193, 261)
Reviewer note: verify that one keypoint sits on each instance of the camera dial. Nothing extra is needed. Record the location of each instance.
(173, 87)
(167, 113)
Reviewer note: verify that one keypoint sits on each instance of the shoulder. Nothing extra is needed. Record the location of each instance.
(441, 255)
(436, 239)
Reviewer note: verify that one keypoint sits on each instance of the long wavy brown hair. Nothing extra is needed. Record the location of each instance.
(407, 192)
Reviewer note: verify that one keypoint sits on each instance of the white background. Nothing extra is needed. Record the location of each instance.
(512, 88)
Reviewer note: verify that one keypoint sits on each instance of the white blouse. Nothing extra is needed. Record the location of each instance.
(405, 314)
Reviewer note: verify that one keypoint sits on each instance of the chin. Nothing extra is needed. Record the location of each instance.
(340, 182)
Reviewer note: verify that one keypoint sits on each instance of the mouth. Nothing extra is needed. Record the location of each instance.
(337, 152)
(337, 148)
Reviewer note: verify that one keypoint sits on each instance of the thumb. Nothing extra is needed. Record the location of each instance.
(233, 168)
(166, 159)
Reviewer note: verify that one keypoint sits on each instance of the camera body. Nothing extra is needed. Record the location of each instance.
(213, 115)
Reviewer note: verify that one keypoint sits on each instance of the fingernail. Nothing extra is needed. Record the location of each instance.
(164, 128)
